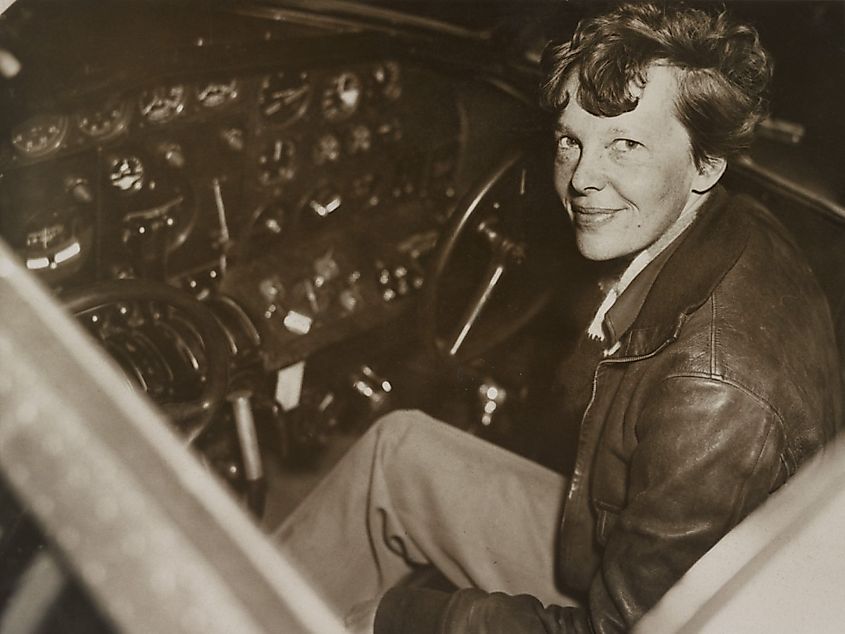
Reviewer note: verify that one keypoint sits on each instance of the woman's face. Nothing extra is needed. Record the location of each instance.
(625, 179)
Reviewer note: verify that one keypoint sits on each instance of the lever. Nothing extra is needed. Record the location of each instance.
(248, 440)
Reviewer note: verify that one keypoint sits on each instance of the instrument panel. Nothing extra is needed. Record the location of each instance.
(281, 98)
(263, 185)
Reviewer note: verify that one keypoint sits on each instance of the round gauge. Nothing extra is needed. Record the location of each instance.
(387, 76)
(216, 94)
(57, 241)
(284, 96)
(359, 139)
(277, 162)
(104, 121)
(342, 96)
(48, 236)
(40, 136)
(327, 149)
(126, 174)
(162, 103)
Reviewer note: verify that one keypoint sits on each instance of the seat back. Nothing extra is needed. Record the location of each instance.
(816, 224)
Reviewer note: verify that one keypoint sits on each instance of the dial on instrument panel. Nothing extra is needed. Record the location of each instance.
(162, 103)
(327, 149)
(126, 174)
(57, 241)
(215, 94)
(47, 231)
(40, 135)
(105, 120)
(342, 96)
(388, 79)
(359, 139)
(284, 96)
(46, 237)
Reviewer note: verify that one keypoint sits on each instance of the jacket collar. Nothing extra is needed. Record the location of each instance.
(704, 255)
(620, 317)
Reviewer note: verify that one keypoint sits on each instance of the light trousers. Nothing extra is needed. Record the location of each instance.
(415, 491)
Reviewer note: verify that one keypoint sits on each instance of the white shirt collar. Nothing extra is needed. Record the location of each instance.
(595, 330)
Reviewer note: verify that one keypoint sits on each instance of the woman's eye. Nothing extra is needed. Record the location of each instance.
(566, 143)
(626, 145)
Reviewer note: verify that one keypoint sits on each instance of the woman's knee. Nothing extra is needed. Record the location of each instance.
(403, 433)
(397, 423)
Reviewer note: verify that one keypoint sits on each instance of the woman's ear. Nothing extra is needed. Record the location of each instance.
(709, 174)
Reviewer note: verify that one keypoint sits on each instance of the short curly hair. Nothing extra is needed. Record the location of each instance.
(724, 76)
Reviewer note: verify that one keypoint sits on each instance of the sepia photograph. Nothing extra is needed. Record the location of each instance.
(422, 316)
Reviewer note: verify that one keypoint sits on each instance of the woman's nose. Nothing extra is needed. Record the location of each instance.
(589, 172)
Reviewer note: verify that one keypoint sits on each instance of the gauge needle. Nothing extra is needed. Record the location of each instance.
(290, 95)
(296, 94)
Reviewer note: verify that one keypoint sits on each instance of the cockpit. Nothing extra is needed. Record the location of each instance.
(278, 221)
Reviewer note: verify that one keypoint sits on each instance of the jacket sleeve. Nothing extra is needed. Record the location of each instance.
(708, 452)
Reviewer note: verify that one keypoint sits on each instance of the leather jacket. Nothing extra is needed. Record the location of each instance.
(725, 383)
